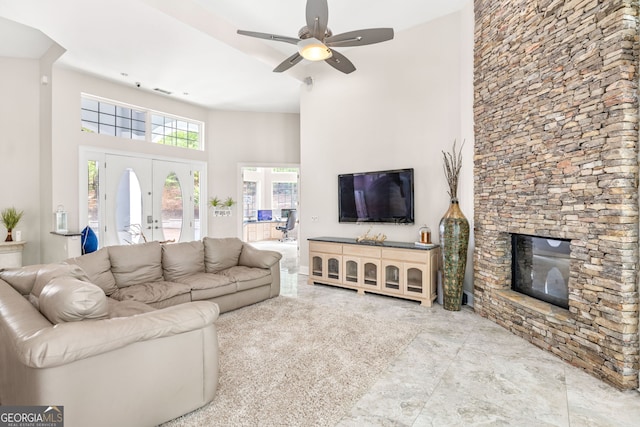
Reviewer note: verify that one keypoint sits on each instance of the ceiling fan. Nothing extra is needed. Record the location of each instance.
(316, 42)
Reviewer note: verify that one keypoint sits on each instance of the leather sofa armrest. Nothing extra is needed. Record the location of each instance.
(258, 258)
(68, 342)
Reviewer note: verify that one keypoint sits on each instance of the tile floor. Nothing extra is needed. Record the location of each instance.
(464, 370)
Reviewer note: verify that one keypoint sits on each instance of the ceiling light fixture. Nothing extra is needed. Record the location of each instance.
(313, 49)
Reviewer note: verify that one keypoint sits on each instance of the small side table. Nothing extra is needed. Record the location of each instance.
(70, 247)
(11, 254)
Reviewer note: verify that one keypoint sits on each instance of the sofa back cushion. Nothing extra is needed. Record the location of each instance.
(136, 264)
(180, 260)
(98, 268)
(65, 299)
(220, 254)
(21, 279)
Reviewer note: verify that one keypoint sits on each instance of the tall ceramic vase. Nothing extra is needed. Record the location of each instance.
(454, 241)
(9, 237)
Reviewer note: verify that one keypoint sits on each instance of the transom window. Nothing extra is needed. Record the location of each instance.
(115, 120)
(110, 118)
(177, 132)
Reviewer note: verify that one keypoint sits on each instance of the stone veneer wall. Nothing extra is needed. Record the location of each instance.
(556, 149)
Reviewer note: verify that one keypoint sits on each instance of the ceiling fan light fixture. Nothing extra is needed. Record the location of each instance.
(313, 49)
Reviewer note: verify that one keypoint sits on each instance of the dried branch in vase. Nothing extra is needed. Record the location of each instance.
(452, 165)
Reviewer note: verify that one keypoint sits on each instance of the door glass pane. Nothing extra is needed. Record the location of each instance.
(196, 205)
(93, 191)
(129, 209)
(172, 208)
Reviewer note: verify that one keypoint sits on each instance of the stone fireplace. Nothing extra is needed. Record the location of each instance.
(556, 157)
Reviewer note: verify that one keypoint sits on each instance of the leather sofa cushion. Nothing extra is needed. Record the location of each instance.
(209, 285)
(151, 292)
(220, 254)
(248, 277)
(65, 299)
(182, 259)
(48, 272)
(200, 281)
(136, 264)
(98, 267)
(21, 278)
(127, 308)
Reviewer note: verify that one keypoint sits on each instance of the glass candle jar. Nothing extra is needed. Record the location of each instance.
(425, 234)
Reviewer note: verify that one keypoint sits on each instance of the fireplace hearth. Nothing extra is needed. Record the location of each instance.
(540, 268)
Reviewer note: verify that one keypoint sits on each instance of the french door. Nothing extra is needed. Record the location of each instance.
(148, 199)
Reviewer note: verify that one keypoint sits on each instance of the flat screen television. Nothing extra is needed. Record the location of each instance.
(380, 197)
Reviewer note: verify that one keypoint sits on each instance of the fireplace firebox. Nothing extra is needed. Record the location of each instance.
(540, 268)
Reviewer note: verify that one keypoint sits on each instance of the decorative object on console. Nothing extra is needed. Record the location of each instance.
(454, 235)
(424, 234)
(60, 220)
(10, 218)
(378, 238)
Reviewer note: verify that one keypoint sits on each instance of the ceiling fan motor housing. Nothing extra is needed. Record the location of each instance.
(304, 33)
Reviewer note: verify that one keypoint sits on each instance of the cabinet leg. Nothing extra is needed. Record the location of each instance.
(426, 302)
(360, 292)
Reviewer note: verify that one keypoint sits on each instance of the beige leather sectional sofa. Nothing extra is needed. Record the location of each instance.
(126, 335)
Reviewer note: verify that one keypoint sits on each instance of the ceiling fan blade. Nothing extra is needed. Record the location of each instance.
(360, 37)
(267, 36)
(288, 63)
(340, 62)
(317, 17)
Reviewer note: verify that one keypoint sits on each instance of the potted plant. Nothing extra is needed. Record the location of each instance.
(220, 207)
(10, 218)
(215, 202)
(229, 202)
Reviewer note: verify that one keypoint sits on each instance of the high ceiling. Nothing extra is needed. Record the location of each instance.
(190, 47)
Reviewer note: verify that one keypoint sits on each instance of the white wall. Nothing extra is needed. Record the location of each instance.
(19, 148)
(243, 139)
(408, 100)
(67, 136)
(231, 138)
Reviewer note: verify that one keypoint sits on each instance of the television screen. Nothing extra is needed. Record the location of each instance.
(384, 197)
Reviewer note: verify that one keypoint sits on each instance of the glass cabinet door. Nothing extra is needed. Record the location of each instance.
(333, 268)
(415, 280)
(351, 271)
(392, 278)
(316, 268)
(371, 274)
